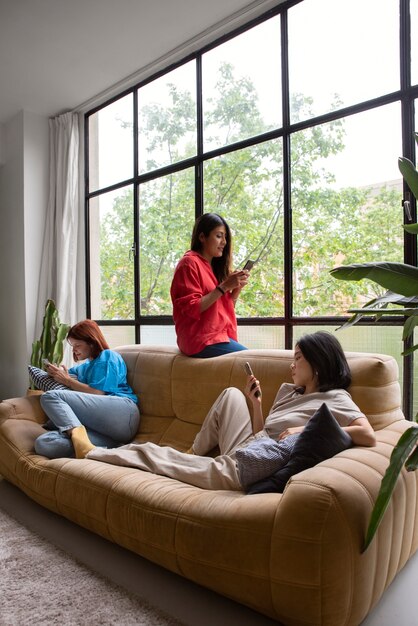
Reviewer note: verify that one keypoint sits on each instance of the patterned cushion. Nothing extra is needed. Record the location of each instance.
(261, 457)
(42, 380)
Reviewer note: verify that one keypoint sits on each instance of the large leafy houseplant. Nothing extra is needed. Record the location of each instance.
(50, 346)
(401, 298)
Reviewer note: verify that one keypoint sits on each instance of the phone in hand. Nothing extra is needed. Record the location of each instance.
(250, 372)
(249, 265)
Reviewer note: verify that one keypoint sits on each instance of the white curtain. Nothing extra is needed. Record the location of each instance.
(58, 279)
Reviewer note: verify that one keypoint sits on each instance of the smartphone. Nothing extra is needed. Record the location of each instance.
(249, 265)
(251, 373)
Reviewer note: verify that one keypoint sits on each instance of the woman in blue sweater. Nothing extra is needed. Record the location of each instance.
(98, 400)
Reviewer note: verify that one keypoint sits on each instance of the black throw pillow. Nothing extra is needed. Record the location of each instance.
(321, 439)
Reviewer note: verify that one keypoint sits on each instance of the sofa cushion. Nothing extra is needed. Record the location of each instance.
(42, 380)
(321, 439)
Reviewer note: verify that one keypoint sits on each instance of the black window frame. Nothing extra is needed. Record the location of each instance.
(406, 95)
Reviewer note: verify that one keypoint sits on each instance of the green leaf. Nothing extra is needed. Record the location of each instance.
(412, 462)
(397, 459)
(409, 326)
(35, 358)
(350, 322)
(397, 277)
(47, 324)
(411, 228)
(61, 335)
(410, 174)
(409, 350)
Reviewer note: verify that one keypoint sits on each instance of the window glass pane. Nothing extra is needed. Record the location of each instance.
(158, 335)
(414, 42)
(346, 207)
(373, 339)
(245, 187)
(111, 265)
(340, 60)
(242, 86)
(166, 210)
(167, 119)
(264, 337)
(111, 144)
(117, 336)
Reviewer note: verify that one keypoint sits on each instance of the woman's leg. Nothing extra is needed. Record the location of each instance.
(56, 445)
(218, 349)
(227, 425)
(114, 417)
(201, 471)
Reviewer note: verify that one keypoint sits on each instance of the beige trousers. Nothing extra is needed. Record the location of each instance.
(228, 424)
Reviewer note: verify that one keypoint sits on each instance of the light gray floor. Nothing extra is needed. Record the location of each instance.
(187, 602)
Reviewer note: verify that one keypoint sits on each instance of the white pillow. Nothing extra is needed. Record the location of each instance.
(42, 380)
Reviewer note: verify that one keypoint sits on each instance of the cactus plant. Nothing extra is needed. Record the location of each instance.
(51, 344)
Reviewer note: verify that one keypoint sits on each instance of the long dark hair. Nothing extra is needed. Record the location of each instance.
(327, 359)
(205, 224)
(89, 331)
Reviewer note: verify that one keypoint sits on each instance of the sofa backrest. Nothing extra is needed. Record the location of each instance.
(175, 392)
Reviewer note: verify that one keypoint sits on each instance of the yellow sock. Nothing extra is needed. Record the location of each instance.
(81, 442)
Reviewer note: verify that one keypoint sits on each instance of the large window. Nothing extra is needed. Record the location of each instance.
(291, 129)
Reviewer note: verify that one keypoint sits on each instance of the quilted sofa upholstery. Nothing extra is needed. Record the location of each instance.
(295, 557)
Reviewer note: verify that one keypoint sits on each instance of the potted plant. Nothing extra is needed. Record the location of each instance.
(51, 344)
(401, 281)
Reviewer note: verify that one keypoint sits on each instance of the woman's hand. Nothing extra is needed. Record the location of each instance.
(59, 373)
(290, 431)
(253, 386)
(236, 280)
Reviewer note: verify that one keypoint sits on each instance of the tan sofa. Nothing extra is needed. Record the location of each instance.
(295, 557)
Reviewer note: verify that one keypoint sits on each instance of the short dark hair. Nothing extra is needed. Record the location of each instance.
(325, 355)
(205, 224)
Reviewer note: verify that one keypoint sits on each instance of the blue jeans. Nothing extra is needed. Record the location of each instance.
(110, 421)
(218, 349)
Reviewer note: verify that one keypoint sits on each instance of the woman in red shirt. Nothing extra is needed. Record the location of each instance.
(204, 291)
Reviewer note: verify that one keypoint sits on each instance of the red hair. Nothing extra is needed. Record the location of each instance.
(89, 331)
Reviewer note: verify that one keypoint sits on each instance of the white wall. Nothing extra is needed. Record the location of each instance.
(36, 192)
(2, 139)
(23, 201)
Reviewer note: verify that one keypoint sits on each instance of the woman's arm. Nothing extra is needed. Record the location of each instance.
(235, 292)
(234, 283)
(61, 375)
(361, 432)
(257, 419)
(209, 299)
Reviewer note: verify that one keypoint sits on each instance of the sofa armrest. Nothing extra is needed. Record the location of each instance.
(321, 523)
(27, 408)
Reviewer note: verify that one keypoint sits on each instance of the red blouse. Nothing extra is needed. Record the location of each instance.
(194, 278)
